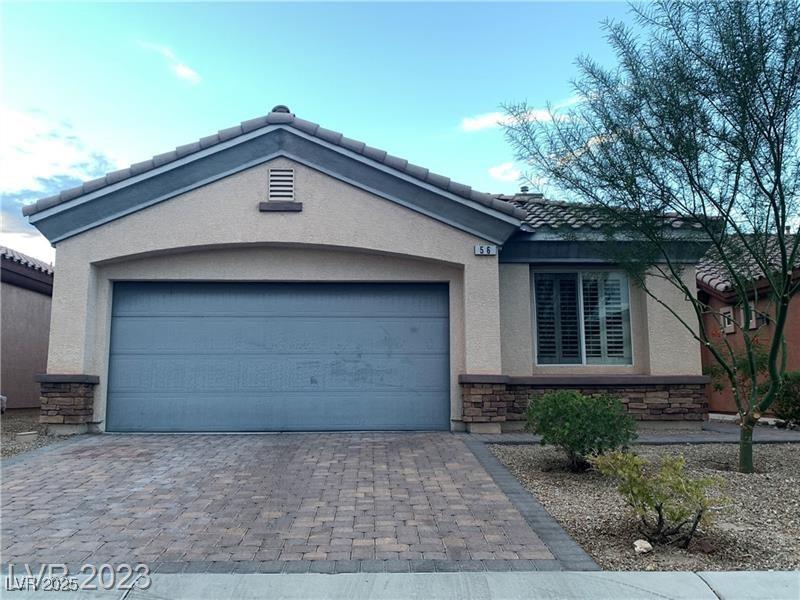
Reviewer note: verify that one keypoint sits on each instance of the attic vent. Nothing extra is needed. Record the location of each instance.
(281, 184)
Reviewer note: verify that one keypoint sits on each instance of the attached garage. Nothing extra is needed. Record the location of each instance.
(189, 356)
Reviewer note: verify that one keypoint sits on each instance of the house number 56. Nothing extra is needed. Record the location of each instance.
(485, 250)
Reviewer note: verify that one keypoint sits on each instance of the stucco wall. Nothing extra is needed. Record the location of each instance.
(673, 350)
(722, 400)
(515, 319)
(25, 324)
(217, 233)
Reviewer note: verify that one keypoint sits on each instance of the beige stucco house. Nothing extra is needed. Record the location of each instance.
(280, 276)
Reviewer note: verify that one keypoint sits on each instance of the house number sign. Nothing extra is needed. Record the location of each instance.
(485, 250)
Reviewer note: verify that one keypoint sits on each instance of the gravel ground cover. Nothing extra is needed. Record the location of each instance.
(757, 529)
(18, 420)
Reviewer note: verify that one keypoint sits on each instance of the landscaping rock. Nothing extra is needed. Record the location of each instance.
(642, 547)
(756, 517)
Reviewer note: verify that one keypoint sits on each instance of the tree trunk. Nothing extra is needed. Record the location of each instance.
(746, 448)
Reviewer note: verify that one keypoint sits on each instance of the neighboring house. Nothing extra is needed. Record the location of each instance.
(726, 319)
(25, 291)
(280, 276)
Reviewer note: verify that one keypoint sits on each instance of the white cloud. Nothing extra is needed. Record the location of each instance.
(40, 156)
(33, 244)
(186, 72)
(180, 69)
(505, 172)
(35, 149)
(496, 119)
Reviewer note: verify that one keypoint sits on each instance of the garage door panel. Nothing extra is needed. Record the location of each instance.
(284, 299)
(297, 372)
(258, 412)
(278, 357)
(284, 335)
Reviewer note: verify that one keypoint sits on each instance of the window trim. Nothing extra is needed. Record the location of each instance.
(727, 319)
(583, 363)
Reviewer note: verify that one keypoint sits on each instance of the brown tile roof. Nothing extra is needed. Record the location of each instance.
(280, 115)
(713, 274)
(25, 260)
(542, 212)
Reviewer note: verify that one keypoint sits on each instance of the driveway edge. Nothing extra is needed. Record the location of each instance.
(569, 555)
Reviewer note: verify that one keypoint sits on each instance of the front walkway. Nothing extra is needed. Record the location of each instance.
(287, 503)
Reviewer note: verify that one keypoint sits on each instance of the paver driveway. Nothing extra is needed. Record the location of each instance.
(285, 497)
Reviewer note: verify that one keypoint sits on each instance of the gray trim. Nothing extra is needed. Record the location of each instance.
(280, 206)
(587, 380)
(524, 248)
(86, 212)
(568, 554)
(66, 378)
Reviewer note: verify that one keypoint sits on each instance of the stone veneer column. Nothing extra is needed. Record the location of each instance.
(67, 402)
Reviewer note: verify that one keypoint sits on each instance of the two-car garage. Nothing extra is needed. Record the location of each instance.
(211, 356)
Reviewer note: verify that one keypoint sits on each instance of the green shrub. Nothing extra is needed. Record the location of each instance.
(581, 425)
(669, 503)
(787, 403)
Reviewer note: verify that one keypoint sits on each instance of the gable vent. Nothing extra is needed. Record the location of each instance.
(281, 184)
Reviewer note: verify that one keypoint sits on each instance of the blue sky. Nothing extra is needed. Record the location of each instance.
(87, 88)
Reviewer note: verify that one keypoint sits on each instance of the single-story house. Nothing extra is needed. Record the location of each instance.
(280, 276)
(727, 320)
(25, 291)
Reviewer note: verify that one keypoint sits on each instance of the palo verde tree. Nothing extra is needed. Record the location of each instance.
(696, 125)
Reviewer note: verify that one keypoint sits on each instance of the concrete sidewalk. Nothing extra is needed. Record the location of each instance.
(460, 586)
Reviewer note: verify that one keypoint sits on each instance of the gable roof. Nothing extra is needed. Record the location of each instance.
(31, 263)
(280, 115)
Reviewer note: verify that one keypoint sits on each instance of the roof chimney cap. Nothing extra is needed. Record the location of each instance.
(524, 189)
(281, 108)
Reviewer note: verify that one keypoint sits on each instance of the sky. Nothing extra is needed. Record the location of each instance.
(89, 88)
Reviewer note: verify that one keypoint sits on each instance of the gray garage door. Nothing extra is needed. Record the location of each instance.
(278, 357)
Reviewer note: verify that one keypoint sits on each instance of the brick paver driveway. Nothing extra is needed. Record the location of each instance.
(285, 497)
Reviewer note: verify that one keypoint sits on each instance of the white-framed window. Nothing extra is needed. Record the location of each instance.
(582, 318)
(754, 318)
(727, 324)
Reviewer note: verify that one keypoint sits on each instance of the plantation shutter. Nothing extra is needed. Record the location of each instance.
(606, 321)
(558, 335)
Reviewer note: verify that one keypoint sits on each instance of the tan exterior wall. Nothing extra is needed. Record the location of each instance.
(673, 348)
(217, 233)
(25, 327)
(516, 319)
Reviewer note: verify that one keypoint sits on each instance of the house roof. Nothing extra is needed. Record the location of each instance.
(542, 213)
(25, 260)
(280, 115)
(714, 275)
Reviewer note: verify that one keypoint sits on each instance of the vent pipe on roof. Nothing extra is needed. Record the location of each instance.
(524, 189)
(281, 108)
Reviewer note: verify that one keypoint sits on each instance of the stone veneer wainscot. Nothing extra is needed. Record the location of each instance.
(491, 403)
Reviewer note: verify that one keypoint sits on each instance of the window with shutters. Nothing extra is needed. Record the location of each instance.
(582, 318)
